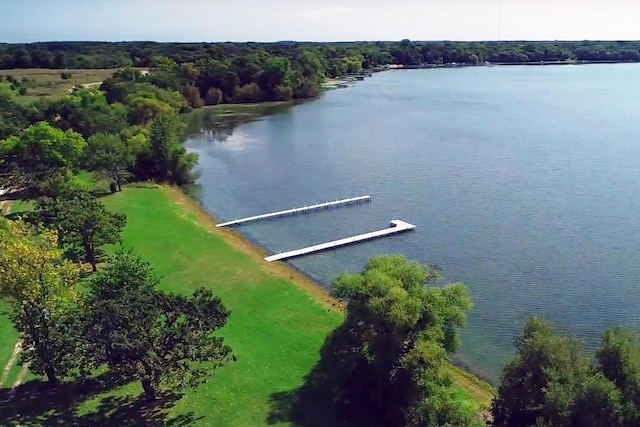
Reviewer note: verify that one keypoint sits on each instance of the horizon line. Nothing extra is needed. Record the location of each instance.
(327, 42)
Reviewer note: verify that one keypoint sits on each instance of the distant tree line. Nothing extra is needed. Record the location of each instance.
(334, 57)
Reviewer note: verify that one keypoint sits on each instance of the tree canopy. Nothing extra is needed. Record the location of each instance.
(145, 334)
(82, 222)
(42, 288)
(37, 154)
(553, 382)
(388, 361)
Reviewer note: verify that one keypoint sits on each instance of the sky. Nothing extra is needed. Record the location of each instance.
(317, 20)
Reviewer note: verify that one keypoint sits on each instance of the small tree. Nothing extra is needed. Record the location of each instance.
(148, 335)
(82, 221)
(214, 96)
(42, 290)
(111, 156)
(167, 158)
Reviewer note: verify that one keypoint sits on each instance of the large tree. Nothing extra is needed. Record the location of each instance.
(36, 155)
(42, 290)
(82, 221)
(389, 358)
(552, 382)
(111, 156)
(148, 335)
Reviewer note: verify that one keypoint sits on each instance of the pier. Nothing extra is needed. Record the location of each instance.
(397, 226)
(294, 211)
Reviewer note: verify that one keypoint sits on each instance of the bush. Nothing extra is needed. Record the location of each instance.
(192, 94)
(283, 93)
(22, 90)
(248, 94)
(214, 96)
(65, 75)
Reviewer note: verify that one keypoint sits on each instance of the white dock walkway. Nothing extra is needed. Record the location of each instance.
(397, 226)
(304, 209)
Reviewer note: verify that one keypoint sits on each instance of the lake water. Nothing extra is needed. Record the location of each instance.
(524, 183)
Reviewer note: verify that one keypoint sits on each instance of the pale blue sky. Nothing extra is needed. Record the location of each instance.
(328, 20)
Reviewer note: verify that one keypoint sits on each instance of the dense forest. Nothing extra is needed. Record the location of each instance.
(60, 55)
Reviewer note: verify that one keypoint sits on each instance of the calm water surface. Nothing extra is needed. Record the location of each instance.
(523, 183)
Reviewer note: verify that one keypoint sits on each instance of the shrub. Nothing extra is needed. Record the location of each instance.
(214, 96)
(248, 94)
(65, 75)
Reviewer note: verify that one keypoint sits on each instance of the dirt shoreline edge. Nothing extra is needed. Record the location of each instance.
(475, 385)
(239, 242)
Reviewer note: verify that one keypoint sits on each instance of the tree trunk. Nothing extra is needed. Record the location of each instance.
(149, 389)
(116, 178)
(51, 375)
(91, 256)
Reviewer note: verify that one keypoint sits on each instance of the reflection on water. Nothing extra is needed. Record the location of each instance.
(522, 182)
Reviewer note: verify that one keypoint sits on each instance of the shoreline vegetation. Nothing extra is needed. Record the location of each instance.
(284, 324)
(480, 391)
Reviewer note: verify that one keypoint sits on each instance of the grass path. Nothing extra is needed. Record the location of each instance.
(10, 344)
(17, 349)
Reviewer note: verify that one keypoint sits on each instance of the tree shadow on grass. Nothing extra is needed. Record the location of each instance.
(126, 411)
(319, 402)
(37, 404)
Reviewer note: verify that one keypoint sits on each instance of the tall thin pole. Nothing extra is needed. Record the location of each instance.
(499, 17)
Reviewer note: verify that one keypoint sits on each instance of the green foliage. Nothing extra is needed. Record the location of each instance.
(38, 154)
(166, 159)
(552, 382)
(82, 222)
(13, 117)
(87, 112)
(42, 290)
(619, 361)
(145, 334)
(163, 57)
(388, 361)
(110, 155)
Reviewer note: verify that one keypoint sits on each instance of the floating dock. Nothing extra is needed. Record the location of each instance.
(294, 211)
(397, 226)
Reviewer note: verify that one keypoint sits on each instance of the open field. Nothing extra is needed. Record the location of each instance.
(278, 323)
(48, 83)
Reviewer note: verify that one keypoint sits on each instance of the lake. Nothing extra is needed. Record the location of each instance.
(524, 184)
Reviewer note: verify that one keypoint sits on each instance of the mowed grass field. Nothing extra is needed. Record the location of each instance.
(49, 84)
(277, 327)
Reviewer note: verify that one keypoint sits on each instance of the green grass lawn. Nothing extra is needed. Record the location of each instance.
(276, 328)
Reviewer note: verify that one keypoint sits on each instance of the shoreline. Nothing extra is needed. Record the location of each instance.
(463, 374)
(241, 243)
(401, 67)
